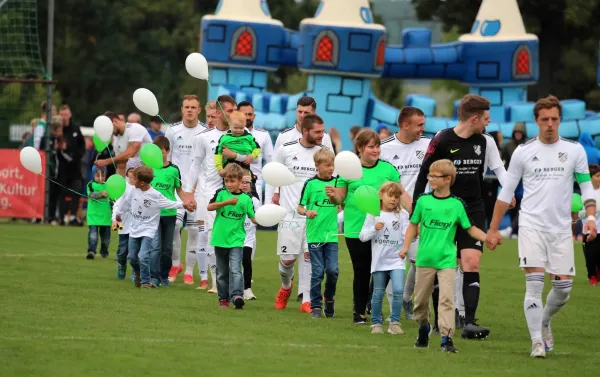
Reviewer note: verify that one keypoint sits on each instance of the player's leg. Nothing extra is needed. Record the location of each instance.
(191, 227)
(397, 285)
(435, 299)
(259, 190)
(532, 259)
(459, 313)
(289, 246)
(269, 191)
(470, 255)
(202, 256)
(286, 274)
(305, 272)
(176, 268)
(561, 266)
(423, 290)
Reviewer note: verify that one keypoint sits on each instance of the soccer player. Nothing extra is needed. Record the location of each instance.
(406, 150)
(181, 154)
(305, 106)
(211, 114)
(204, 173)
(291, 236)
(127, 141)
(472, 151)
(264, 141)
(547, 164)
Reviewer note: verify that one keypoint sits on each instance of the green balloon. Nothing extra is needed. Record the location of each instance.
(367, 200)
(115, 186)
(151, 156)
(576, 203)
(99, 144)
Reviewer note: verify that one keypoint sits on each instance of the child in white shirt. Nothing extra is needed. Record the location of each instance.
(123, 227)
(250, 241)
(143, 204)
(386, 233)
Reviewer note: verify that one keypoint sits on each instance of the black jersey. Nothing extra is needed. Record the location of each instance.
(471, 157)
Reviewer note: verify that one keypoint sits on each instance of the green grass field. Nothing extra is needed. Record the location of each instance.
(62, 315)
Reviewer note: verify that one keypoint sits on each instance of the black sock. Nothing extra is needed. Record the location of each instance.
(470, 295)
(435, 296)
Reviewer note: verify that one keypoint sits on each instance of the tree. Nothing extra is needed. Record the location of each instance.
(568, 34)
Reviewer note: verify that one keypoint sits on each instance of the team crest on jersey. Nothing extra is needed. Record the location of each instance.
(562, 157)
(147, 203)
(396, 225)
(420, 154)
(386, 233)
(477, 149)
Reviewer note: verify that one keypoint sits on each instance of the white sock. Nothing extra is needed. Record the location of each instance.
(212, 263)
(533, 306)
(177, 244)
(190, 250)
(286, 272)
(307, 273)
(458, 292)
(201, 254)
(409, 286)
(557, 298)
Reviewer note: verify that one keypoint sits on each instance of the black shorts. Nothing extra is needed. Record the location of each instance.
(463, 239)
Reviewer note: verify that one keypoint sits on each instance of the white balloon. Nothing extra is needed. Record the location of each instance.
(270, 215)
(31, 160)
(103, 127)
(145, 101)
(348, 165)
(196, 66)
(277, 175)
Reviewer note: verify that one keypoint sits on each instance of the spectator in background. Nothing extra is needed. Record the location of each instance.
(383, 131)
(71, 150)
(39, 132)
(154, 129)
(56, 139)
(336, 140)
(519, 136)
(593, 154)
(24, 139)
(134, 118)
(353, 132)
(121, 116)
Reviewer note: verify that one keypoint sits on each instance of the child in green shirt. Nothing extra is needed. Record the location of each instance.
(167, 181)
(228, 235)
(238, 140)
(321, 233)
(99, 214)
(439, 213)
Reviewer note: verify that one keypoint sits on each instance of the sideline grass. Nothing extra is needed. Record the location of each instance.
(62, 315)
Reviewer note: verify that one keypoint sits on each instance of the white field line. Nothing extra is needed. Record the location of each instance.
(200, 341)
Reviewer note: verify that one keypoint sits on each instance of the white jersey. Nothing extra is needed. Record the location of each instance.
(292, 134)
(144, 208)
(125, 217)
(299, 160)
(250, 227)
(181, 143)
(203, 169)
(386, 243)
(407, 158)
(548, 172)
(134, 132)
(265, 144)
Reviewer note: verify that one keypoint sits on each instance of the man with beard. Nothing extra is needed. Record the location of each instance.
(265, 144)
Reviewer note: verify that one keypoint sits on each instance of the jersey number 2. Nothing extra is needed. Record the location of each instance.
(283, 249)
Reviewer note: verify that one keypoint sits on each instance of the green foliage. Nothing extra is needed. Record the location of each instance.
(568, 31)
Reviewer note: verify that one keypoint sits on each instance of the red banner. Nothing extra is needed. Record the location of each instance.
(22, 193)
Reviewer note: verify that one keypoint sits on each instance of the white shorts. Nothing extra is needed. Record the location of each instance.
(259, 190)
(412, 251)
(291, 236)
(188, 217)
(203, 214)
(552, 251)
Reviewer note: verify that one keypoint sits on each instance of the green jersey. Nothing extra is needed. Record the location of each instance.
(99, 211)
(228, 229)
(439, 218)
(241, 144)
(166, 180)
(374, 176)
(324, 227)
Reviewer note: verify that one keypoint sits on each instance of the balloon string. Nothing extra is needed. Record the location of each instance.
(111, 157)
(73, 191)
(159, 117)
(210, 88)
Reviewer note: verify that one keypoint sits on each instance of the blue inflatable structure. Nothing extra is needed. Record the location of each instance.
(342, 50)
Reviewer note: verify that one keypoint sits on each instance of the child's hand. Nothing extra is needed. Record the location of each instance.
(379, 226)
(104, 194)
(115, 225)
(403, 253)
(306, 256)
(311, 214)
(222, 172)
(330, 191)
(248, 160)
(232, 201)
(118, 218)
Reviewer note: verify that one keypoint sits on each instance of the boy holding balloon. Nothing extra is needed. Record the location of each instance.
(99, 214)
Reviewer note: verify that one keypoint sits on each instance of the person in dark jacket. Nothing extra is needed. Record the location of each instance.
(588, 144)
(519, 136)
(71, 151)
